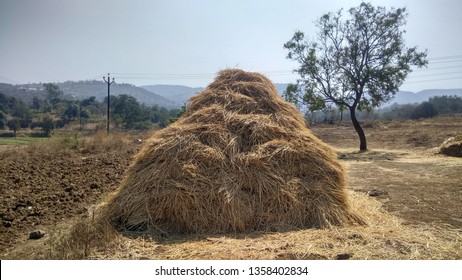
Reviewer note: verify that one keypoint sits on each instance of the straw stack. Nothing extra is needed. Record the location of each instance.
(239, 159)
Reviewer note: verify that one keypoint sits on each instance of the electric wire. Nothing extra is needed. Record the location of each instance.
(447, 62)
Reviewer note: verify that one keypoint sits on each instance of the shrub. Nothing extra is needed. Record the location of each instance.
(424, 110)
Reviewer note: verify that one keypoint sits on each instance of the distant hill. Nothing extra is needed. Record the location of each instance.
(178, 94)
(280, 87)
(172, 96)
(84, 89)
(405, 97)
(23, 92)
(181, 94)
(6, 80)
(408, 97)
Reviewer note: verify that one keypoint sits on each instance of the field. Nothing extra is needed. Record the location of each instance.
(19, 140)
(410, 195)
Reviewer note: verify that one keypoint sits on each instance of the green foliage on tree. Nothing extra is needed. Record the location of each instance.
(424, 110)
(91, 106)
(163, 116)
(3, 103)
(71, 112)
(88, 101)
(437, 105)
(399, 112)
(126, 111)
(48, 125)
(356, 62)
(176, 114)
(36, 104)
(21, 111)
(2, 120)
(14, 124)
(53, 92)
(447, 104)
(83, 117)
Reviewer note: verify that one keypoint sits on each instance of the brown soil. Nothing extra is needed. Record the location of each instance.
(44, 186)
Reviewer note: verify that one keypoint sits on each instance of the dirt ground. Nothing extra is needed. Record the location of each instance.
(403, 168)
(44, 185)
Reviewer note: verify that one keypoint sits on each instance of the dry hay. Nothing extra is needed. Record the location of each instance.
(239, 159)
(386, 237)
(452, 147)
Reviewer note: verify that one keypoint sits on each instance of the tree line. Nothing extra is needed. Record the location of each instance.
(438, 105)
(52, 110)
(434, 106)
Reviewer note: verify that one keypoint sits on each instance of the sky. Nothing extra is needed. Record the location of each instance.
(146, 42)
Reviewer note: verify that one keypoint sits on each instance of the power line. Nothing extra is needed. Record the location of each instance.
(162, 74)
(443, 61)
(448, 60)
(437, 68)
(436, 74)
(163, 78)
(445, 57)
(434, 80)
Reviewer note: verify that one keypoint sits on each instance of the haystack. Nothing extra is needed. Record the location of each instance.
(239, 159)
(452, 147)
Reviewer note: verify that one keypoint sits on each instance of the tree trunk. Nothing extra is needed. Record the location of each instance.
(359, 130)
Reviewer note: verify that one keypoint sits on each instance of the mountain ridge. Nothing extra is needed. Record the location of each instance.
(85, 89)
(180, 94)
(173, 96)
(409, 97)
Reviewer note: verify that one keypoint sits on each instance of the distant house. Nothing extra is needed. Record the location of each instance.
(29, 88)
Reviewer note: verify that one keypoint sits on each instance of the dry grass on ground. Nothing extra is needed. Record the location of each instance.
(385, 237)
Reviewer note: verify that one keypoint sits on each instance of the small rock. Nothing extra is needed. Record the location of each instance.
(344, 256)
(377, 192)
(8, 218)
(7, 224)
(36, 234)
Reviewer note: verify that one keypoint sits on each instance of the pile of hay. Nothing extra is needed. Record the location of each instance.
(240, 158)
(452, 147)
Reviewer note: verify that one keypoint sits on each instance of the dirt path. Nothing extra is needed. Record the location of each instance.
(420, 187)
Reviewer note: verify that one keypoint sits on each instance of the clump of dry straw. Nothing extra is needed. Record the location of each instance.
(240, 158)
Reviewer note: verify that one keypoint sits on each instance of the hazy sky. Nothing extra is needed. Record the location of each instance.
(186, 42)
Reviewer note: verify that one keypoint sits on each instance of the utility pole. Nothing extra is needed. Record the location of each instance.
(108, 82)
